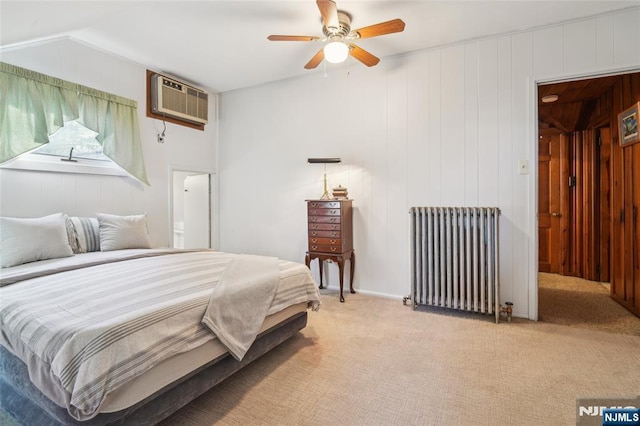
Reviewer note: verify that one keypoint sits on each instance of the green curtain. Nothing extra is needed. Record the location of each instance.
(33, 106)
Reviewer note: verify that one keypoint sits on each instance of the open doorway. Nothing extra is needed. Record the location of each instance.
(580, 194)
(191, 209)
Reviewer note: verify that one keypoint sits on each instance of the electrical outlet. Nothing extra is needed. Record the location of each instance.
(523, 167)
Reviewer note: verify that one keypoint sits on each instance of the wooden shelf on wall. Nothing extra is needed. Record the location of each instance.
(163, 117)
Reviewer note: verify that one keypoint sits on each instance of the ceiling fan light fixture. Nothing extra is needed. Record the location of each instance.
(336, 52)
(338, 35)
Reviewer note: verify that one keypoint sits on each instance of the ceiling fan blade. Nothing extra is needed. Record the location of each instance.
(315, 61)
(363, 56)
(388, 27)
(329, 12)
(292, 38)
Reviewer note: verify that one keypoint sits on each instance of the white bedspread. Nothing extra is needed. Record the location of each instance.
(84, 332)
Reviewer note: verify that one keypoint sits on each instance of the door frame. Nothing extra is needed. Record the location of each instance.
(213, 202)
(533, 154)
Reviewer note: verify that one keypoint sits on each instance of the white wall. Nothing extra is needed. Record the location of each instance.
(32, 194)
(441, 127)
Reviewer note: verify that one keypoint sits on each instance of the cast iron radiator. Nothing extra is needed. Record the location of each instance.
(454, 258)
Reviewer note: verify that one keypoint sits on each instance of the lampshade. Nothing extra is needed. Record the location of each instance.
(336, 52)
(324, 160)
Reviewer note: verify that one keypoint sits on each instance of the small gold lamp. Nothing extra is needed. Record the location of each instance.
(325, 161)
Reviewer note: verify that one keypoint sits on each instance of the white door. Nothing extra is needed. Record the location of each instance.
(197, 217)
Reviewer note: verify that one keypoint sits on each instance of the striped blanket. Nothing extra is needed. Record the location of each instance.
(86, 331)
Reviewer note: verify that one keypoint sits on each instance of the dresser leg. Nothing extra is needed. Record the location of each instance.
(320, 268)
(353, 268)
(307, 261)
(341, 272)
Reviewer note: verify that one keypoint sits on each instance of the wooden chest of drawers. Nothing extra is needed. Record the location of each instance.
(330, 235)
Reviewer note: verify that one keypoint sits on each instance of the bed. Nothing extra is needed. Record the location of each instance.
(132, 335)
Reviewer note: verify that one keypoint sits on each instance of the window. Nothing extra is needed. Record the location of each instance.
(53, 163)
(87, 154)
(36, 105)
(74, 136)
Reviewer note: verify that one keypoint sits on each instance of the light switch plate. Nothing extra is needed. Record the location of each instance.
(523, 167)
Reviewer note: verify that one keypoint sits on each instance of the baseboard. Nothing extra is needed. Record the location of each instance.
(369, 293)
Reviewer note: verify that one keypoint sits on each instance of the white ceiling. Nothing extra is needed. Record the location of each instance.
(222, 45)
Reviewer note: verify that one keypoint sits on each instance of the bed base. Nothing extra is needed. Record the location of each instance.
(23, 401)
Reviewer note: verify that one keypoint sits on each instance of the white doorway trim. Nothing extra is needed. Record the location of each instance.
(213, 203)
(533, 153)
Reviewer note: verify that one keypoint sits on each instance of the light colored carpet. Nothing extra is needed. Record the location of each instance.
(580, 303)
(373, 361)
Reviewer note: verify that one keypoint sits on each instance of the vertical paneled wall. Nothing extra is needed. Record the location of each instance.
(625, 202)
(441, 127)
(32, 194)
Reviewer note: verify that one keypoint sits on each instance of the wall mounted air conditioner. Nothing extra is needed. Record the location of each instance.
(178, 100)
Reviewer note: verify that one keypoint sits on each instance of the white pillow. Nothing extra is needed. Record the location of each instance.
(28, 240)
(123, 232)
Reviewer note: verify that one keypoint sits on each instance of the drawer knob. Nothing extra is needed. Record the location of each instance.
(314, 240)
(313, 219)
(333, 219)
(334, 234)
(314, 226)
(314, 247)
(314, 233)
(332, 241)
(333, 249)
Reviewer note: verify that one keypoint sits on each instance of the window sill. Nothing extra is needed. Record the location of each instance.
(45, 163)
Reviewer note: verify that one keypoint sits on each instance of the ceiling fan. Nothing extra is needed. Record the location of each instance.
(339, 36)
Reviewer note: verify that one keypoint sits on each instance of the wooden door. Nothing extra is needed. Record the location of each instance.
(552, 206)
(582, 257)
(574, 212)
(589, 226)
(625, 280)
(625, 230)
